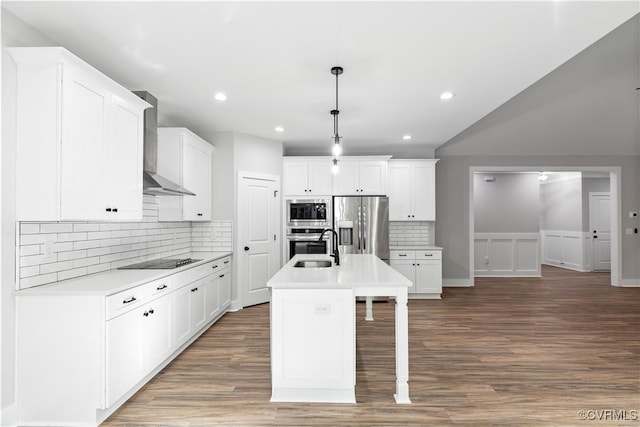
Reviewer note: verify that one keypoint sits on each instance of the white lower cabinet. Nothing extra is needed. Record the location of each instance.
(423, 268)
(80, 356)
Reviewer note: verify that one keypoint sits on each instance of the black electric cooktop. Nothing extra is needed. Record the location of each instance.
(160, 264)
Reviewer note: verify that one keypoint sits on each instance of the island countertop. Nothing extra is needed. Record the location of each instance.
(355, 270)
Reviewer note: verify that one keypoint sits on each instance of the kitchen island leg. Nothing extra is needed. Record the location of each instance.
(368, 315)
(402, 348)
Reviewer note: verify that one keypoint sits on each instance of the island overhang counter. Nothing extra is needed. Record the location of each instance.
(313, 327)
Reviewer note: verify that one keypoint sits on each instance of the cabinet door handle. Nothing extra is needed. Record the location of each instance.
(127, 301)
(413, 265)
(226, 262)
(199, 214)
(145, 314)
(221, 276)
(214, 266)
(194, 290)
(115, 209)
(151, 311)
(108, 209)
(161, 287)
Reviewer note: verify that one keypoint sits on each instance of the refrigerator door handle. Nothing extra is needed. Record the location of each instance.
(364, 229)
(359, 226)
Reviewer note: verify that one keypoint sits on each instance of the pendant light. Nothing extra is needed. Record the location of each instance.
(336, 148)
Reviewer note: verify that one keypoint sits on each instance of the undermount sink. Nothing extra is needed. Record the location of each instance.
(312, 263)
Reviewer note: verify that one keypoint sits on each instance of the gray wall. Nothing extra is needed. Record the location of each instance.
(562, 207)
(593, 185)
(584, 113)
(510, 204)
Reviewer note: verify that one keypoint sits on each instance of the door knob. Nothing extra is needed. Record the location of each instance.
(594, 231)
(246, 248)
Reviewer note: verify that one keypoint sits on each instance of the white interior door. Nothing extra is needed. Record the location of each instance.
(257, 230)
(600, 227)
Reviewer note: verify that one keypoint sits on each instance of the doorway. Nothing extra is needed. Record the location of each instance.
(258, 214)
(600, 227)
(614, 174)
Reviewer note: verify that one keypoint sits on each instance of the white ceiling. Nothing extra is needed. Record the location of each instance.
(273, 61)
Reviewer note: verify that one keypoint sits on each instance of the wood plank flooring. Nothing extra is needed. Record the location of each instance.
(509, 352)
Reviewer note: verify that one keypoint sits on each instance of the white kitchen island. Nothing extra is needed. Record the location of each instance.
(313, 342)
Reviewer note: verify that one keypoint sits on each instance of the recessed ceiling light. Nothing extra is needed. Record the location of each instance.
(447, 95)
(406, 137)
(279, 129)
(220, 96)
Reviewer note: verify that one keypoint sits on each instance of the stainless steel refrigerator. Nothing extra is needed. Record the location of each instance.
(362, 224)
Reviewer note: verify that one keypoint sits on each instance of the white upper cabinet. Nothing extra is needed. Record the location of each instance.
(361, 177)
(79, 148)
(307, 176)
(185, 158)
(412, 190)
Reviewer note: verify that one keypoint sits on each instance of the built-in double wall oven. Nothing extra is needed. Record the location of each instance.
(306, 218)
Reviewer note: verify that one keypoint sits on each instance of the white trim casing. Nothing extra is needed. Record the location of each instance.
(616, 208)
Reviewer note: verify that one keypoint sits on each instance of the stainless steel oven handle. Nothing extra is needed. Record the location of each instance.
(306, 237)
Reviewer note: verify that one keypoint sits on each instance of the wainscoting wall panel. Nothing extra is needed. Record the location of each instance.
(507, 254)
(566, 249)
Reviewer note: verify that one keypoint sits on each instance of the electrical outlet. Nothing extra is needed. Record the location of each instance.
(323, 309)
(48, 248)
(486, 260)
(633, 214)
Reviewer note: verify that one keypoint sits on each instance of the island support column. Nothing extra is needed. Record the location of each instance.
(402, 347)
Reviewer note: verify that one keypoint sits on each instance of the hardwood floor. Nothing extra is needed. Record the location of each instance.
(509, 352)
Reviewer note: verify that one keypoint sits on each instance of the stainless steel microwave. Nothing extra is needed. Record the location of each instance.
(309, 212)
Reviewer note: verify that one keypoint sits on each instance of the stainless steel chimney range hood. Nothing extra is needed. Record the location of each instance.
(152, 183)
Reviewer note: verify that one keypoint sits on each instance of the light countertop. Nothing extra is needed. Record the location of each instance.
(114, 281)
(415, 248)
(353, 271)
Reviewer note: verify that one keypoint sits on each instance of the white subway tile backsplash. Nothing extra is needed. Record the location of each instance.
(29, 250)
(410, 233)
(86, 227)
(55, 267)
(56, 227)
(70, 274)
(29, 228)
(81, 248)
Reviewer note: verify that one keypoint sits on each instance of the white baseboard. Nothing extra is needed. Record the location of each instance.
(566, 267)
(457, 283)
(508, 275)
(631, 283)
(9, 416)
(235, 305)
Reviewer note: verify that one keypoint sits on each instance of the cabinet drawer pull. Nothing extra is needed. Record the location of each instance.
(428, 254)
(226, 262)
(402, 254)
(199, 214)
(108, 209)
(127, 301)
(194, 290)
(222, 275)
(115, 209)
(161, 287)
(151, 311)
(214, 266)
